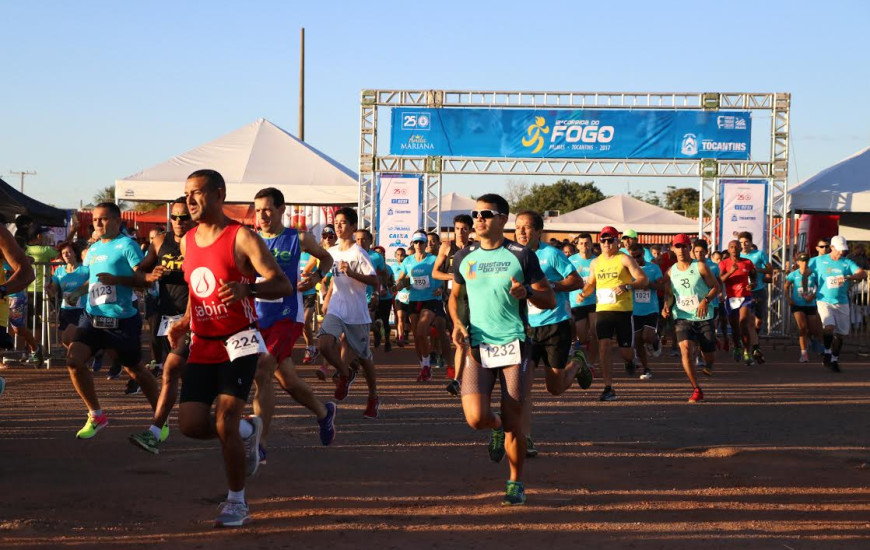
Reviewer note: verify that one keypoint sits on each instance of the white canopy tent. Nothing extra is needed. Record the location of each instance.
(253, 157)
(622, 212)
(841, 188)
(454, 204)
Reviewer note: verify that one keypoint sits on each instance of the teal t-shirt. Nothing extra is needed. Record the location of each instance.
(832, 289)
(646, 301)
(689, 289)
(68, 282)
(758, 258)
(117, 257)
(796, 278)
(380, 266)
(303, 261)
(423, 285)
(404, 295)
(556, 267)
(581, 264)
(496, 317)
(714, 267)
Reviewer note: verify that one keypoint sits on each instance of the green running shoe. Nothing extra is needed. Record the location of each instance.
(531, 451)
(515, 495)
(496, 445)
(747, 358)
(737, 352)
(146, 441)
(584, 374)
(92, 426)
(164, 432)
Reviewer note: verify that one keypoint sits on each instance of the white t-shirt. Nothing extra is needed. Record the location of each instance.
(348, 301)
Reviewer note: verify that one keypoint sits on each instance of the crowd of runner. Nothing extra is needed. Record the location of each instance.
(225, 306)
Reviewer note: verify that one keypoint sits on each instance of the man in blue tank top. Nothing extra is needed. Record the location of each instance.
(281, 320)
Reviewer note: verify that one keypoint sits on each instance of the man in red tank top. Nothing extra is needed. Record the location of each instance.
(221, 261)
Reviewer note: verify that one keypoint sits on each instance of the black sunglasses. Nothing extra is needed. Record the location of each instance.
(327, 235)
(180, 217)
(485, 214)
(607, 240)
(822, 246)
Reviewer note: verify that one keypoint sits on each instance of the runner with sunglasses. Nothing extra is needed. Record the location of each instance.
(688, 296)
(500, 276)
(612, 278)
(427, 308)
(163, 262)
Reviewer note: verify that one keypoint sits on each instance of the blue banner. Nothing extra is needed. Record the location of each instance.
(582, 133)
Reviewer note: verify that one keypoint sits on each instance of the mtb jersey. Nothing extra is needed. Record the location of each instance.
(496, 317)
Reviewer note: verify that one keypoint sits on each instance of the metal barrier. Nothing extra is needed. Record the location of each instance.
(44, 322)
(859, 300)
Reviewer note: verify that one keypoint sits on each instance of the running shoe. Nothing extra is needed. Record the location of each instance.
(400, 341)
(373, 405)
(804, 358)
(826, 359)
(700, 362)
(608, 394)
(2, 385)
(454, 388)
(647, 374)
(707, 370)
(758, 356)
(656, 347)
(737, 353)
(114, 371)
(531, 451)
(425, 374)
(343, 386)
(496, 445)
(835, 365)
(164, 432)
(697, 396)
(252, 444)
(327, 424)
(152, 365)
(132, 388)
(630, 367)
(146, 441)
(675, 352)
(92, 426)
(232, 514)
(98, 363)
(747, 358)
(261, 452)
(322, 373)
(584, 373)
(515, 495)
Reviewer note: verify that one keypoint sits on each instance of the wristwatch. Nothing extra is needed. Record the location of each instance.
(252, 289)
(707, 299)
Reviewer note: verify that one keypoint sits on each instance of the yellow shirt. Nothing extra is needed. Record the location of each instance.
(609, 274)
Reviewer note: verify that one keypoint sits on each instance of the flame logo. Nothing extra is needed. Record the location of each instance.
(202, 282)
(533, 133)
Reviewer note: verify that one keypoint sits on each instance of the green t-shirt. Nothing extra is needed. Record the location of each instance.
(496, 317)
(41, 255)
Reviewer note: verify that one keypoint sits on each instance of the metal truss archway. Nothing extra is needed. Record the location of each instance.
(707, 171)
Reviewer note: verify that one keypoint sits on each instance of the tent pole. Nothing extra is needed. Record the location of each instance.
(302, 85)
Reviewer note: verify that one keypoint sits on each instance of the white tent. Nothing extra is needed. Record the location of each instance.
(253, 157)
(841, 188)
(622, 212)
(453, 204)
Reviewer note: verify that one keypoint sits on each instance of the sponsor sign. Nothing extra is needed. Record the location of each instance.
(743, 207)
(399, 209)
(563, 133)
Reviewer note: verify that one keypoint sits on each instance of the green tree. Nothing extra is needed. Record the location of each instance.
(650, 197)
(683, 198)
(107, 194)
(564, 195)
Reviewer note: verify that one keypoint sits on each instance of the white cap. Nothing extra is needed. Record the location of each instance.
(839, 242)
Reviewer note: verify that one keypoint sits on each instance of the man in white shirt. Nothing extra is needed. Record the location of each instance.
(347, 312)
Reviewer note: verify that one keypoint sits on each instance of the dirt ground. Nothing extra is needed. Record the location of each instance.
(775, 458)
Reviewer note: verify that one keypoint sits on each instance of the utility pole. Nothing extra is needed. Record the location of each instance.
(302, 85)
(23, 173)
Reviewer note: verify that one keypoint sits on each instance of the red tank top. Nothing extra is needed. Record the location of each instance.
(737, 285)
(210, 319)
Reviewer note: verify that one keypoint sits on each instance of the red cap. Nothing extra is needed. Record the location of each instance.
(608, 231)
(682, 238)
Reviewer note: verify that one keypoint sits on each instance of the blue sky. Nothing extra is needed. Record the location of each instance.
(93, 91)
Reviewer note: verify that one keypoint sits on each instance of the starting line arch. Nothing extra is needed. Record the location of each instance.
(708, 172)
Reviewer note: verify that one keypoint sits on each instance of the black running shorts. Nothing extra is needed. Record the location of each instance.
(581, 313)
(126, 340)
(551, 343)
(203, 382)
(615, 325)
(701, 332)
